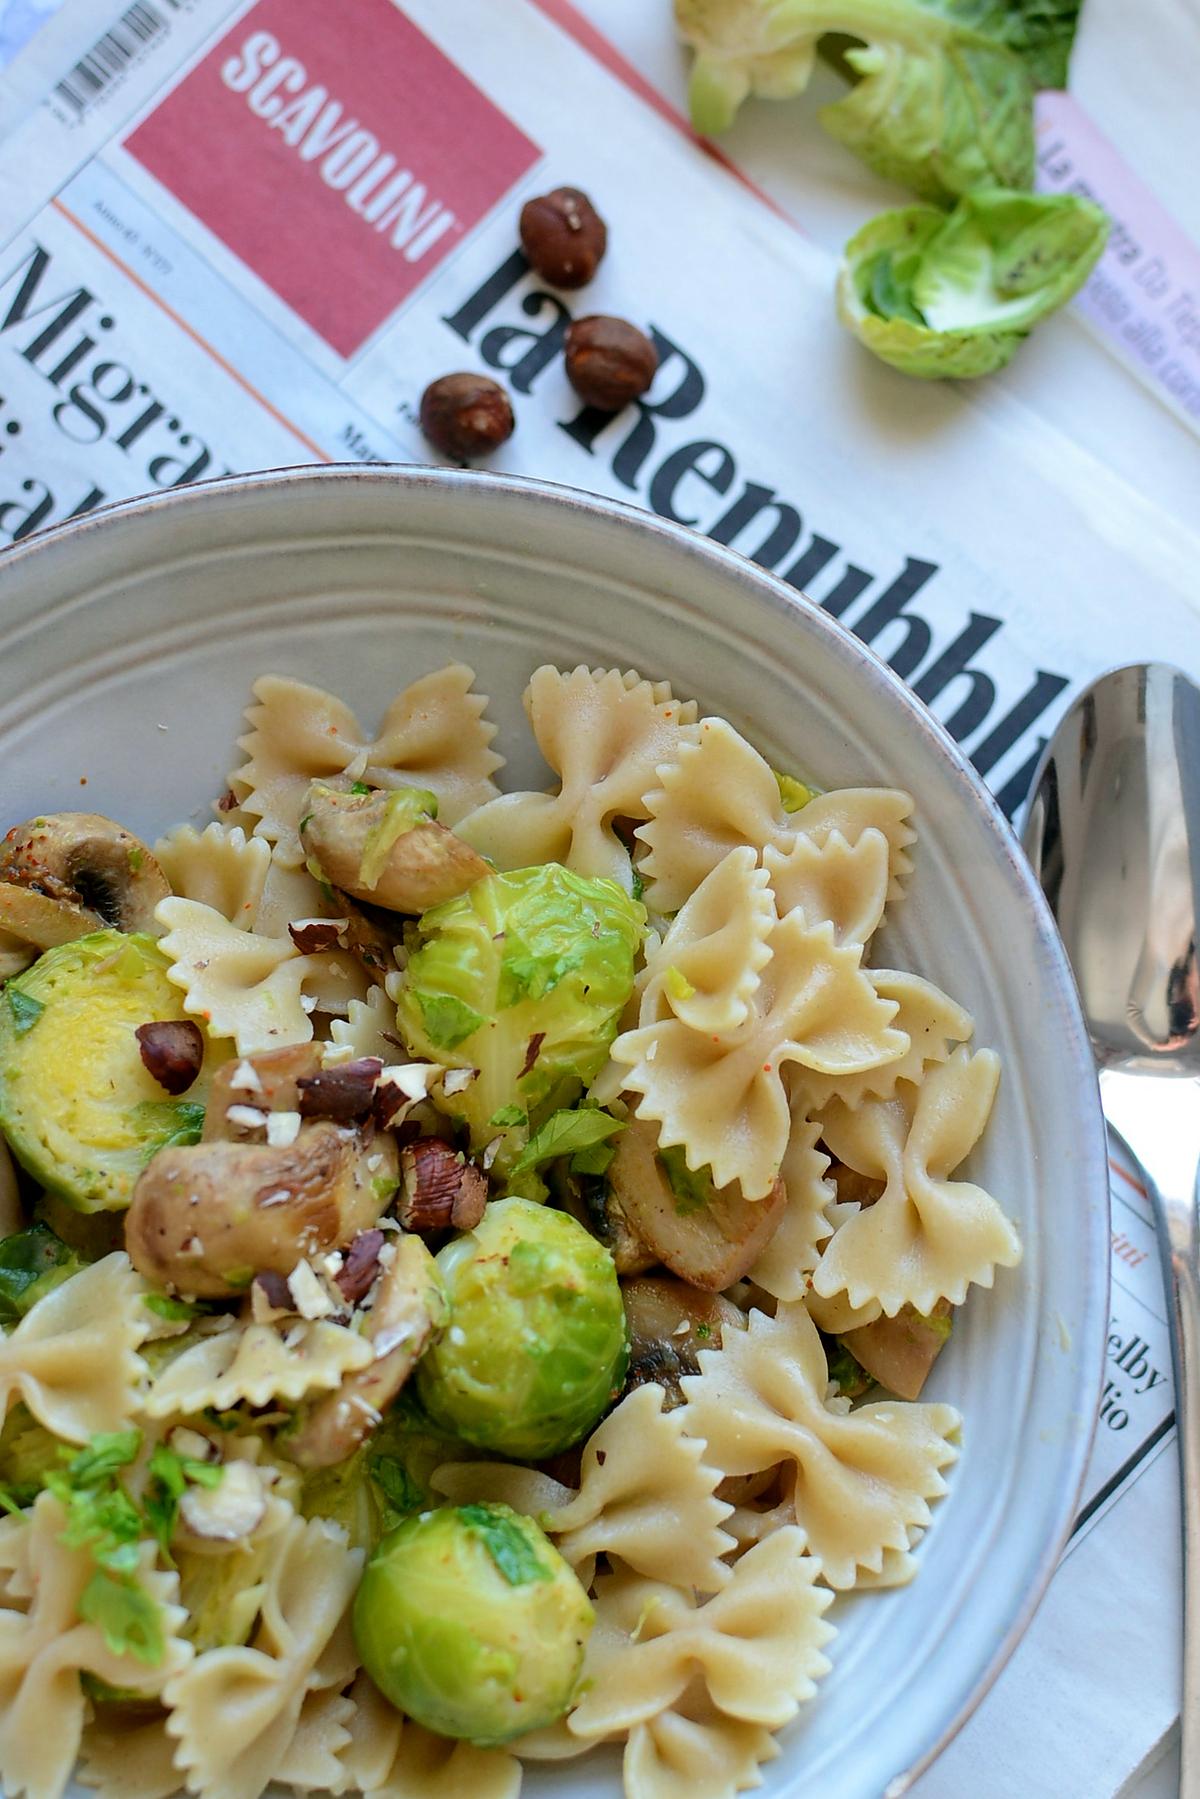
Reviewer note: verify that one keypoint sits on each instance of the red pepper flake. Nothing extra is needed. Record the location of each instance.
(532, 1051)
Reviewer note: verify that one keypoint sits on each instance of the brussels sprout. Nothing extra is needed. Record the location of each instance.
(939, 296)
(943, 95)
(537, 1346)
(77, 1105)
(32, 1262)
(470, 1621)
(522, 978)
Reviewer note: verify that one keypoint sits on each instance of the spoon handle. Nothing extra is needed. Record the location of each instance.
(1160, 1120)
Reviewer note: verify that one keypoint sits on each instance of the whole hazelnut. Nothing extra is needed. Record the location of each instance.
(563, 236)
(609, 361)
(466, 415)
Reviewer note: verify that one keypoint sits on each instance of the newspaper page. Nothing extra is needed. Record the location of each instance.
(237, 235)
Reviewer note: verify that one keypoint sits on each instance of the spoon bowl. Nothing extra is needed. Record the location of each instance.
(1114, 836)
(1113, 832)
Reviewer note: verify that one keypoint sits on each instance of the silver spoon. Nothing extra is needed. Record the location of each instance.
(1113, 833)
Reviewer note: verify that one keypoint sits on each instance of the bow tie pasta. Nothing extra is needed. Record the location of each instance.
(475, 1257)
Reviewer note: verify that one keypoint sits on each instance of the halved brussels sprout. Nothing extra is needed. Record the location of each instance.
(77, 1104)
(537, 1346)
(954, 296)
(32, 1263)
(470, 1621)
(522, 980)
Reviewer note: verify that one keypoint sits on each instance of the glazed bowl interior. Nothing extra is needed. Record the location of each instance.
(132, 638)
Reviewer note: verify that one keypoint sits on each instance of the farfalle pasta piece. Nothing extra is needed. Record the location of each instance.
(128, 1760)
(290, 894)
(783, 1268)
(927, 1237)
(693, 1752)
(758, 1645)
(73, 1359)
(645, 1495)
(255, 1363)
(604, 734)
(258, 990)
(850, 811)
(219, 866)
(846, 883)
(235, 1711)
(45, 1649)
(864, 1479)
(369, 1028)
(433, 736)
(708, 967)
(373, 1737)
(723, 1099)
(312, 1761)
(426, 1766)
(929, 1018)
(716, 794)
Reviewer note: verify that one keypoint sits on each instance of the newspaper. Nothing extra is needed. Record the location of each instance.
(243, 233)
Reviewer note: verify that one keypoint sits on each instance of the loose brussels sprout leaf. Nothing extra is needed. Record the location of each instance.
(564, 1134)
(128, 1618)
(404, 808)
(470, 1621)
(28, 1453)
(32, 1262)
(223, 1595)
(403, 1456)
(77, 1105)
(537, 1347)
(944, 96)
(692, 1189)
(522, 978)
(953, 296)
(794, 794)
(346, 1495)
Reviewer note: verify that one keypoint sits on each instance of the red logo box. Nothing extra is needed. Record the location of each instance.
(337, 151)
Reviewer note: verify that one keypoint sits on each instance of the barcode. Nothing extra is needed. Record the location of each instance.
(111, 54)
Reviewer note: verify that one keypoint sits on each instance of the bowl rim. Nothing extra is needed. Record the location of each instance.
(784, 600)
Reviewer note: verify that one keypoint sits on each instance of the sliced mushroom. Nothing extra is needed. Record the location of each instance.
(594, 1202)
(45, 923)
(375, 848)
(710, 1245)
(269, 1082)
(410, 1307)
(669, 1324)
(206, 1218)
(92, 871)
(899, 1352)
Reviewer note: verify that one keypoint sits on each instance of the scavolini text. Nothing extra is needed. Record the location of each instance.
(518, 327)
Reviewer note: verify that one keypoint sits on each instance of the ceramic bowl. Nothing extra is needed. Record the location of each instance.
(131, 638)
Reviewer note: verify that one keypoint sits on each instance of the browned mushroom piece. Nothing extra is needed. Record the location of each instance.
(207, 1217)
(710, 1242)
(267, 1082)
(592, 1200)
(64, 874)
(669, 1324)
(899, 1352)
(383, 848)
(410, 1309)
